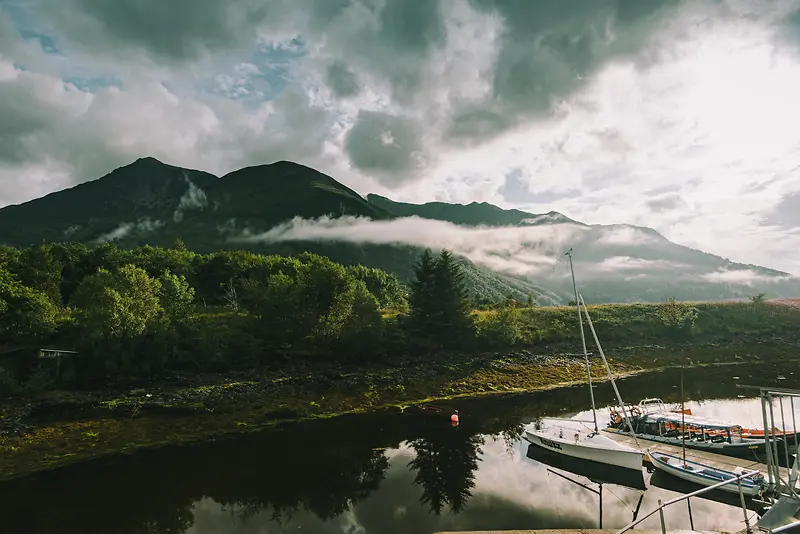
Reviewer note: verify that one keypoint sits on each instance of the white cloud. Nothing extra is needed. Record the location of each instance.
(193, 199)
(742, 277)
(521, 250)
(625, 263)
(142, 226)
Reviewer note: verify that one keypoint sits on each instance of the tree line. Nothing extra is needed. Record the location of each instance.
(145, 310)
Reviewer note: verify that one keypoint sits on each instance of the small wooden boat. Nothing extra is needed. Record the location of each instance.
(705, 475)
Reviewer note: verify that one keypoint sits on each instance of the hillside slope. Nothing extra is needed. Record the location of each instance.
(150, 202)
(614, 263)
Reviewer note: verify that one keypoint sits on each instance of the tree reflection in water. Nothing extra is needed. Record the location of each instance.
(322, 467)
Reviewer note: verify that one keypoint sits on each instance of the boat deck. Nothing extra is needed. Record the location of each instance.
(719, 461)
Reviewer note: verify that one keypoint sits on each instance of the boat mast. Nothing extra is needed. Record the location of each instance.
(608, 369)
(583, 340)
(683, 423)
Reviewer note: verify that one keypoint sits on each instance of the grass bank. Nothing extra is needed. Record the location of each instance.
(57, 428)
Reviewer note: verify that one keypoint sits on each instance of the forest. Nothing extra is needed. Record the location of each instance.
(148, 312)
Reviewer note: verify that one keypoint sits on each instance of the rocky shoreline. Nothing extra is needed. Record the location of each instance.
(61, 428)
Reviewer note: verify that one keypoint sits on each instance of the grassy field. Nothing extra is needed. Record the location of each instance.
(60, 427)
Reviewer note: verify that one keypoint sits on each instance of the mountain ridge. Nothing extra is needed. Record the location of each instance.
(152, 202)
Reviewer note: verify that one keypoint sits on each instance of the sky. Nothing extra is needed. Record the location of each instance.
(676, 115)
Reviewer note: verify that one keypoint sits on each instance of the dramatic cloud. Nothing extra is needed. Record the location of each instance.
(533, 251)
(522, 250)
(672, 114)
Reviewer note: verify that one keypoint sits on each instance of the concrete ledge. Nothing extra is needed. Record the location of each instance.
(581, 531)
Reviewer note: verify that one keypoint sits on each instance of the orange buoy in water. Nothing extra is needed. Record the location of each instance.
(454, 418)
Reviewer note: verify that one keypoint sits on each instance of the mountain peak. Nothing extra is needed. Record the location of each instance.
(147, 160)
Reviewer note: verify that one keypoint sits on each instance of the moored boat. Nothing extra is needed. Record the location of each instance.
(705, 475)
(584, 444)
(695, 432)
(581, 442)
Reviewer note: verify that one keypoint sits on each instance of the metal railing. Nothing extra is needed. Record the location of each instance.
(785, 527)
(661, 506)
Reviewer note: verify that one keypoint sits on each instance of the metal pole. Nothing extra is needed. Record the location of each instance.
(661, 513)
(608, 369)
(691, 519)
(601, 506)
(583, 340)
(584, 486)
(744, 506)
(785, 445)
(794, 423)
(638, 506)
(774, 446)
(767, 449)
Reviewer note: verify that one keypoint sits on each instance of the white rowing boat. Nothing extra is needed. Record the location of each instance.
(705, 475)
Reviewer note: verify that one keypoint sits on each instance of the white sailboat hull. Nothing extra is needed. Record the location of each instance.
(592, 447)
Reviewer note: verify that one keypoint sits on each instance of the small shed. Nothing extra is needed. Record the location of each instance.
(64, 362)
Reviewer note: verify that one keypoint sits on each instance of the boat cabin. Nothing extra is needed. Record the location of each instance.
(673, 425)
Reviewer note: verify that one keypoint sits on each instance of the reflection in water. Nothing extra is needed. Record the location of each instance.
(445, 464)
(382, 473)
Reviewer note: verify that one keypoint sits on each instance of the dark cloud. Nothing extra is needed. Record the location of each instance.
(516, 189)
(342, 80)
(666, 202)
(385, 145)
(786, 213)
(22, 116)
(177, 30)
(550, 48)
(672, 188)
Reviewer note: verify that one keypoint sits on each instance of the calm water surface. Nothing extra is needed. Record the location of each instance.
(381, 474)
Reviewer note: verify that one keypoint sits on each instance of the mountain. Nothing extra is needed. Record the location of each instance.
(150, 202)
(617, 262)
(473, 214)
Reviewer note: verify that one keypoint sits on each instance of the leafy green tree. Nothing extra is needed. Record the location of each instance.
(176, 297)
(118, 305)
(386, 288)
(677, 315)
(502, 328)
(363, 328)
(26, 314)
(39, 269)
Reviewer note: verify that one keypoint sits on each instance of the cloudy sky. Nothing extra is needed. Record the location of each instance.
(681, 116)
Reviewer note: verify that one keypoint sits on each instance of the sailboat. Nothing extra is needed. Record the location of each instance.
(576, 440)
(702, 474)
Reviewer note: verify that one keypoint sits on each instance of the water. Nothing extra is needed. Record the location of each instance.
(380, 473)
